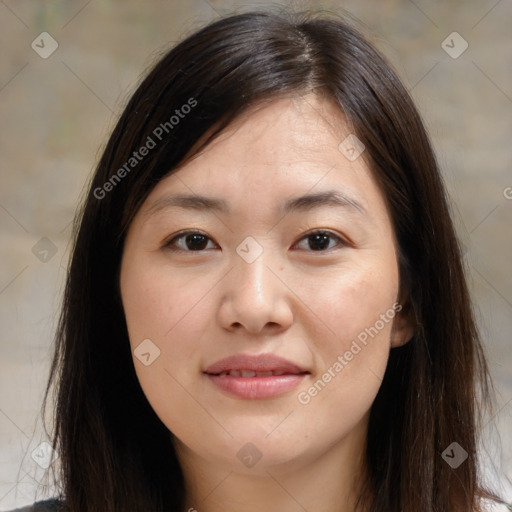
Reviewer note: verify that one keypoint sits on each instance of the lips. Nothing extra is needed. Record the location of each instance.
(255, 377)
(246, 366)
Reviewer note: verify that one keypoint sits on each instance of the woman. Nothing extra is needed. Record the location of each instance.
(266, 305)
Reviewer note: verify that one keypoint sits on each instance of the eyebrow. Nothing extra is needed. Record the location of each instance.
(332, 198)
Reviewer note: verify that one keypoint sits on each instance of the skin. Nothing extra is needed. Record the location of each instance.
(303, 304)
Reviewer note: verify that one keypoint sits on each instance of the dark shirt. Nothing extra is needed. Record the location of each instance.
(52, 505)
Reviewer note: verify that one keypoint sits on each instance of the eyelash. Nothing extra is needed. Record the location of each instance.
(168, 245)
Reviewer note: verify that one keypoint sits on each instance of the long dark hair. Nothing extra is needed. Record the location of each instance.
(115, 453)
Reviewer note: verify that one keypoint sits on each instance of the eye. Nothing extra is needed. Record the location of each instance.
(319, 240)
(195, 241)
(192, 241)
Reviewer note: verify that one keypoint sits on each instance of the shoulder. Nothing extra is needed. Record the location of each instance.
(52, 505)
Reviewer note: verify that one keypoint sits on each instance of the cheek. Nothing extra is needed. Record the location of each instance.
(352, 340)
(159, 303)
(167, 309)
(171, 309)
(354, 301)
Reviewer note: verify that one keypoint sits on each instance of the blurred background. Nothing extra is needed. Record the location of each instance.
(68, 67)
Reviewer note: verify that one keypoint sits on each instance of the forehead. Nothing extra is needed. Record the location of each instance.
(292, 129)
(271, 158)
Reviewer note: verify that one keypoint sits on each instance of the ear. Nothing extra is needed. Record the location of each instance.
(404, 325)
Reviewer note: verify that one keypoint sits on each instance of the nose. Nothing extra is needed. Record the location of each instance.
(255, 297)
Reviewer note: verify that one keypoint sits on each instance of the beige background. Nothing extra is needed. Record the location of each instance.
(56, 114)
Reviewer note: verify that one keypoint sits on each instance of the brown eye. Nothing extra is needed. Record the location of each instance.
(188, 241)
(195, 241)
(319, 240)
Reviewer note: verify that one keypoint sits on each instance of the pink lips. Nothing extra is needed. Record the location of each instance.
(254, 377)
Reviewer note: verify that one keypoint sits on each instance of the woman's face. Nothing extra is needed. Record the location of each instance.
(255, 280)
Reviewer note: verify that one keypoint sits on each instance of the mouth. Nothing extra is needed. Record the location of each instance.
(247, 374)
(255, 377)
